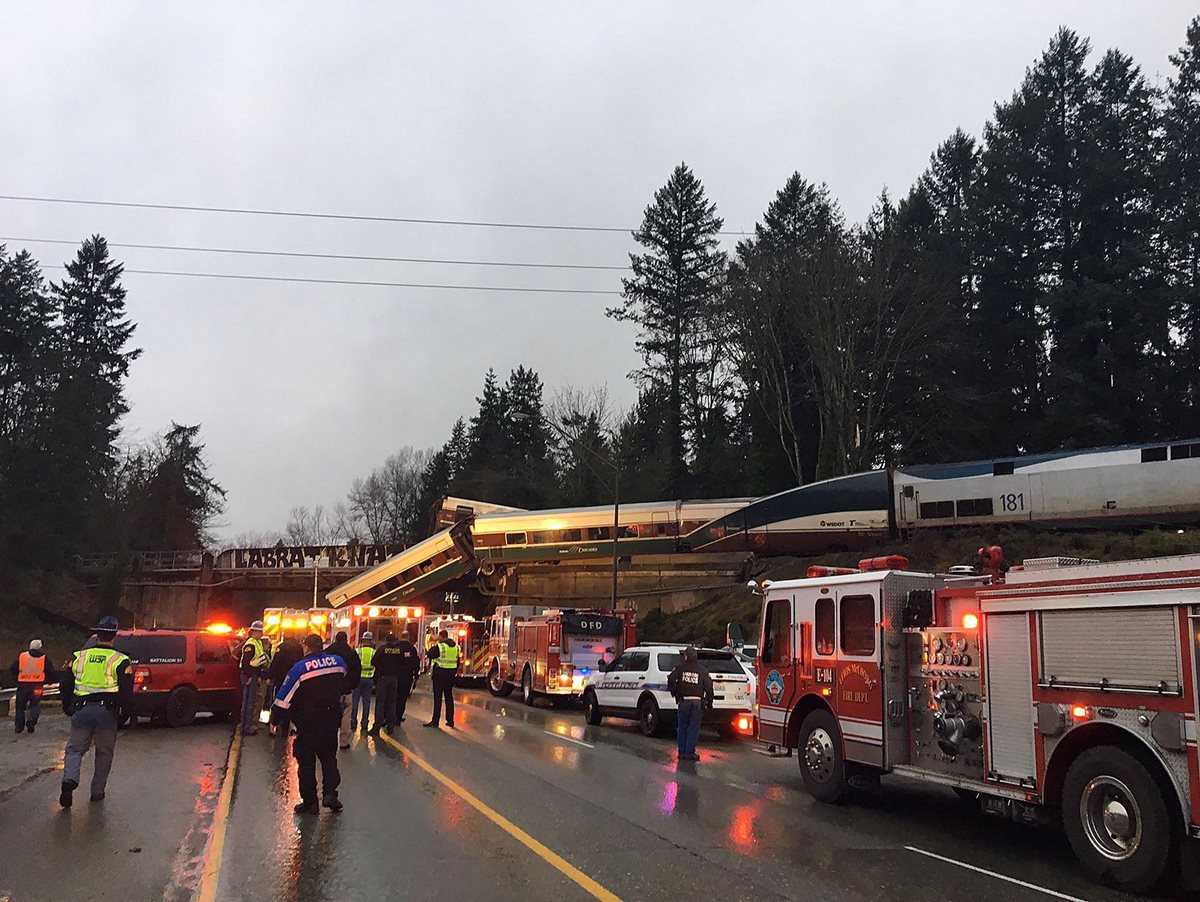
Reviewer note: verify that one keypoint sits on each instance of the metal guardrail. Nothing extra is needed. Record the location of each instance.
(143, 560)
(7, 696)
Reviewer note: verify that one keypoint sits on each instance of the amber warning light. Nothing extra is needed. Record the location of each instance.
(970, 621)
(219, 628)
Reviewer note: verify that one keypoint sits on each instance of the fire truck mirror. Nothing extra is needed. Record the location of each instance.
(918, 609)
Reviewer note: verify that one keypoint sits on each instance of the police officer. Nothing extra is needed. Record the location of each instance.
(692, 688)
(96, 691)
(312, 694)
(255, 664)
(444, 658)
(396, 667)
(33, 671)
(361, 697)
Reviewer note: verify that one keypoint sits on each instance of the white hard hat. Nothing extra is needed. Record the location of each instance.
(256, 625)
(35, 644)
(366, 636)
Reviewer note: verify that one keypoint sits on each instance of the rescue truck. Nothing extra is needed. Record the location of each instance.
(473, 644)
(551, 652)
(1066, 692)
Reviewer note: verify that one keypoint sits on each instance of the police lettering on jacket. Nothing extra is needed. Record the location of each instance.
(315, 680)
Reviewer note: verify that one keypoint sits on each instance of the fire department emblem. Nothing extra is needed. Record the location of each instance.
(774, 687)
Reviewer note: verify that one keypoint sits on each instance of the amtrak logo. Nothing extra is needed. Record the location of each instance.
(774, 686)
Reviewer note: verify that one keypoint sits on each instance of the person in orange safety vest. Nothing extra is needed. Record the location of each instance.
(33, 671)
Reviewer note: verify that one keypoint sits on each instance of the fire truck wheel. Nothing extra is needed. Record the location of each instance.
(527, 694)
(182, 705)
(649, 717)
(591, 709)
(1116, 818)
(498, 687)
(821, 764)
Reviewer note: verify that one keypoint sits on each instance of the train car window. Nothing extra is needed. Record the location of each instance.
(936, 510)
(630, 532)
(975, 507)
(823, 633)
(776, 645)
(541, 538)
(1004, 468)
(1150, 455)
(858, 625)
(514, 538)
(599, 534)
(1183, 452)
(572, 535)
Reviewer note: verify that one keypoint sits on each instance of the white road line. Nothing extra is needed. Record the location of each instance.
(971, 867)
(586, 745)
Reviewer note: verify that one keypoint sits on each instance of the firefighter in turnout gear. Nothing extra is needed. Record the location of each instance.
(255, 665)
(445, 659)
(33, 671)
(96, 690)
(312, 694)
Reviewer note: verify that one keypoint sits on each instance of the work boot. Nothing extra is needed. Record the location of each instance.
(432, 723)
(97, 797)
(307, 808)
(68, 788)
(450, 724)
(30, 726)
(332, 803)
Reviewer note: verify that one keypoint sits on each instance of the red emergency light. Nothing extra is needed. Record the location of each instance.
(886, 562)
(818, 570)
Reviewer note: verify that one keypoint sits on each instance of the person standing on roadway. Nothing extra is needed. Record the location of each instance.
(341, 647)
(312, 693)
(33, 671)
(444, 658)
(255, 664)
(692, 688)
(96, 691)
(360, 698)
(396, 667)
(289, 652)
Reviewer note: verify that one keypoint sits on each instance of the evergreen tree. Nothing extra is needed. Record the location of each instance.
(532, 480)
(457, 448)
(179, 500)
(1178, 205)
(675, 284)
(88, 400)
(1027, 211)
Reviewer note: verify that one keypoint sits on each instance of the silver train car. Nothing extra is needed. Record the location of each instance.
(1129, 485)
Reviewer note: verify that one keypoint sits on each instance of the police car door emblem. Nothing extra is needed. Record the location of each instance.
(774, 686)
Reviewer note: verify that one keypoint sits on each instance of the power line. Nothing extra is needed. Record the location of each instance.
(354, 217)
(250, 278)
(315, 256)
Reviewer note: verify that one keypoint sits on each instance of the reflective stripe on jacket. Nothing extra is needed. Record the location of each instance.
(261, 656)
(95, 670)
(366, 654)
(31, 669)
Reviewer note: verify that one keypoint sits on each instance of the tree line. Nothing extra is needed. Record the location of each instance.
(66, 483)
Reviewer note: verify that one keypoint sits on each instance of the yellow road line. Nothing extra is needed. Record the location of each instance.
(216, 847)
(549, 856)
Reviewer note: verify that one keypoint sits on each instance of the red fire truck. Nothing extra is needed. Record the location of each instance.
(1067, 691)
(550, 651)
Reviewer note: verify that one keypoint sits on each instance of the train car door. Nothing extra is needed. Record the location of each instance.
(858, 694)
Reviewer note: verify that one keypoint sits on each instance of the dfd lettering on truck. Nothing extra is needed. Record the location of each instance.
(1067, 691)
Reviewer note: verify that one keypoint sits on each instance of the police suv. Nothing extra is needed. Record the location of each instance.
(634, 686)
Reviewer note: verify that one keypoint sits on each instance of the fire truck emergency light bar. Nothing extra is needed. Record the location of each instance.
(387, 611)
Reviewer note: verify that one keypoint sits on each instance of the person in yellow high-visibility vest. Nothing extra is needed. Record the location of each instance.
(97, 689)
(445, 657)
(360, 698)
(33, 671)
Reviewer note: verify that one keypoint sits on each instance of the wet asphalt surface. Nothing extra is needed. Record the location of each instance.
(611, 802)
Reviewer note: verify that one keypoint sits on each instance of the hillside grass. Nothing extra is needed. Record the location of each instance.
(41, 606)
(929, 551)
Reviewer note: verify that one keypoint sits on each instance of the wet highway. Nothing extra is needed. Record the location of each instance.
(518, 803)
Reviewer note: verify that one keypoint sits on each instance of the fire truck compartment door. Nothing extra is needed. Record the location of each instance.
(1009, 700)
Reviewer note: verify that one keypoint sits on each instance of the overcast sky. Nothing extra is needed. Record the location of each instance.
(516, 112)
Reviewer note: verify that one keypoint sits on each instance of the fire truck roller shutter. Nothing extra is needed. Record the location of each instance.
(1010, 698)
(1131, 648)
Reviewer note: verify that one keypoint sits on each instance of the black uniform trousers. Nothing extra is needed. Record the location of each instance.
(443, 688)
(403, 690)
(317, 739)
